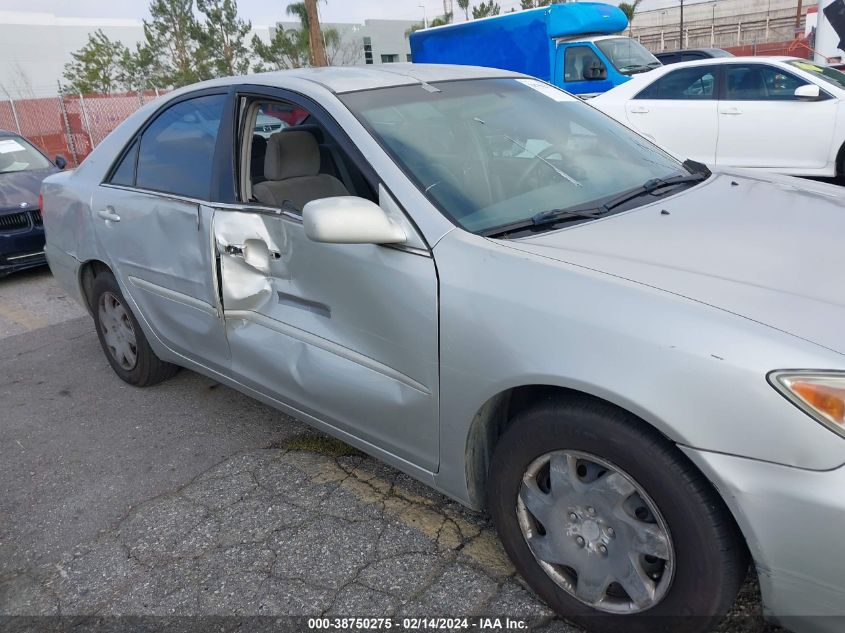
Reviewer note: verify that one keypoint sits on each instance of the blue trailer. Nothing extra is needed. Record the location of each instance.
(576, 46)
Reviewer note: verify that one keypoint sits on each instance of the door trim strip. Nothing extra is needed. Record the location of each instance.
(173, 295)
(295, 301)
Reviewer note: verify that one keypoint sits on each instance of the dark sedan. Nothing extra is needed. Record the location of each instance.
(22, 168)
(689, 55)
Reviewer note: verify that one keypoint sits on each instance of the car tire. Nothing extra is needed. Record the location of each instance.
(705, 561)
(122, 338)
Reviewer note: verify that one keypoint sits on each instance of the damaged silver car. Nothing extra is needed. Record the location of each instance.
(634, 364)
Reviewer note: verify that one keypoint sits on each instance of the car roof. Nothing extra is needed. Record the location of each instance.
(343, 79)
(709, 61)
(742, 60)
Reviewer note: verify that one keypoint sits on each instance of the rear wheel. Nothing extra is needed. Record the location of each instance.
(610, 524)
(121, 337)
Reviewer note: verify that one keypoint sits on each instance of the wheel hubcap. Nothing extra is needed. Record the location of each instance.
(595, 532)
(118, 333)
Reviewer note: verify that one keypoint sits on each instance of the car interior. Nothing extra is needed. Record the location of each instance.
(296, 165)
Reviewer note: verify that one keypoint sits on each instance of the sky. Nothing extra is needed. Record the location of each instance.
(267, 12)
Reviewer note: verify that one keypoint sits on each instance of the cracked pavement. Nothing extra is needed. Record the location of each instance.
(189, 499)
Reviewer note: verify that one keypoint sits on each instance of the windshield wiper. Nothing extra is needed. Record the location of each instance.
(595, 211)
(650, 187)
(635, 69)
(556, 216)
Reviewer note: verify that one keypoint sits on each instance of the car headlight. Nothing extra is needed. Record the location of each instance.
(820, 394)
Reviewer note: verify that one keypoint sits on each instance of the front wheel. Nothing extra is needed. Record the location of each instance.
(610, 524)
(121, 337)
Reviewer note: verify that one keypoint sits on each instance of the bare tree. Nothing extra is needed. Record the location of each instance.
(342, 51)
(21, 82)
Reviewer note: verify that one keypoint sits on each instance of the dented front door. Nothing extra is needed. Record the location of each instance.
(346, 333)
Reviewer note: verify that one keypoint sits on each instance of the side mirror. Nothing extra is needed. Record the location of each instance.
(808, 92)
(350, 220)
(60, 161)
(595, 72)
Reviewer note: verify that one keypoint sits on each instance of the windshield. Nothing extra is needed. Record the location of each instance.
(488, 152)
(18, 155)
(829, 75)
(627, 55)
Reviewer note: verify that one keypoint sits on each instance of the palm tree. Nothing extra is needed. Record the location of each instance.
(300, 11)
(464, 6)
(440, 20)
(630, 9)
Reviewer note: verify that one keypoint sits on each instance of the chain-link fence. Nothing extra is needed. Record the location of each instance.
(69, 124)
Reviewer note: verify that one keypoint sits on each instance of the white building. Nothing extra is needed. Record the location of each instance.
(34, 47)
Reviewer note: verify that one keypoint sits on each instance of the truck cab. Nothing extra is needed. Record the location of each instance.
(587, 66)
(576, 46)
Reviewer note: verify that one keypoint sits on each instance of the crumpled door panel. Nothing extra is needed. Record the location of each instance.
(246, 248)
(346, 333)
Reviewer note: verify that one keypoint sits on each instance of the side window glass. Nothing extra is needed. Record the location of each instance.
(683, 84)
(760, 83)
(177, 149)
(688, 57)
(125, 172)
(582, 64)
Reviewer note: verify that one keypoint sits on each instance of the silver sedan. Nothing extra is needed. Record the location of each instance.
(634, 364)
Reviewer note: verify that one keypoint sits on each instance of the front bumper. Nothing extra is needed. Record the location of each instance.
(21, 250)
(21, 240)
(794, 523)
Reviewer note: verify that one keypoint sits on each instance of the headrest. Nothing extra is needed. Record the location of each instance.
(291, 155)
(313, 128)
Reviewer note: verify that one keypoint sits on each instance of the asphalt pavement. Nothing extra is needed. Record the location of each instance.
(191, 499)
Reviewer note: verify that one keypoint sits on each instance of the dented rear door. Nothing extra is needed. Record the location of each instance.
(161, 253)
(346, 333)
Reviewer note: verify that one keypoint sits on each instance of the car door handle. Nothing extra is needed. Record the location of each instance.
(732, 110)
(109, 214)
(639, 110)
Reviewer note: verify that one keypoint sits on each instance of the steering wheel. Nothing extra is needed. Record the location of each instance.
(541, 156)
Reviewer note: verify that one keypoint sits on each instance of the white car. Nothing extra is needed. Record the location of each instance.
(776, 114)
(267, 126)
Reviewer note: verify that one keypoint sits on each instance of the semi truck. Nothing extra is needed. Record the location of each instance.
(576, 46)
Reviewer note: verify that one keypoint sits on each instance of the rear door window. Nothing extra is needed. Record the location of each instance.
(177, 149)
(125, 172)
